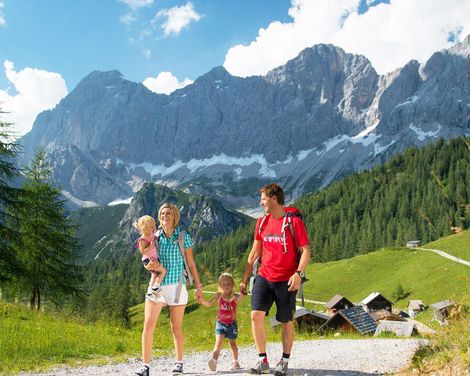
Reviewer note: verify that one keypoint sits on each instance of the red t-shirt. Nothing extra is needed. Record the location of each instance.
(276, 264)
(227, 313)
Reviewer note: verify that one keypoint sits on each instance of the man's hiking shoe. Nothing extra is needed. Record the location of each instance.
(260, 368)
(235, 365)
(144, 371)
(212, 364)
(178, 369)
(281, 368)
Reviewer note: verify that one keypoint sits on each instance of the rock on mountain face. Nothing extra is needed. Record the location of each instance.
(319, 117)
(204, 218)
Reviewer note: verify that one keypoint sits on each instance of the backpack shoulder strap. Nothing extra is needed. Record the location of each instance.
(181, 236)
(263, 223)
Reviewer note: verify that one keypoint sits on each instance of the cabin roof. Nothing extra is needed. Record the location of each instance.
(335, 300)
(356, 316)
(372, 296)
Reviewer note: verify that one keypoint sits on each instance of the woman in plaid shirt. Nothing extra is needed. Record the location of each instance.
(171, 258)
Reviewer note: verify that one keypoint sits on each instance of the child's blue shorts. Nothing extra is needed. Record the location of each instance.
(228, 330)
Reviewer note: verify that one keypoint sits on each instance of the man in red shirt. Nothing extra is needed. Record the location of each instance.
(279, 276)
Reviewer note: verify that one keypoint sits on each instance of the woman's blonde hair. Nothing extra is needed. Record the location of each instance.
(174, 210)
(143, 221)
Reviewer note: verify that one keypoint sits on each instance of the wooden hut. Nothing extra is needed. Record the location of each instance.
(415, 307)
(384, 315)
(305, 319)
(375, 302)
(336, 303)
(442, 310)
(350, 320)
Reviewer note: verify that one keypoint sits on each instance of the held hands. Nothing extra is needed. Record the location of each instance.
(199, 293)
(243, 288)
(294, 282)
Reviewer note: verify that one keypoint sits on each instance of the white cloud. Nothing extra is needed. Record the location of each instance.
(36, 91)
(134, 5)
(178, 18)
(128, 18)
(389, 35)
(2, 16)
(165, 83)
(137, 4)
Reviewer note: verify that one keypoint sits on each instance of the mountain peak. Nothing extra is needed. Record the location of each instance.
(461, 48)
(104, 78)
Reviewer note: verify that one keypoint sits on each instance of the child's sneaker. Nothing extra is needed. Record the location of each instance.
(178, 369)
(235, 365)
(212, 364)
(149, 295)
(156, 290)
(144, 371)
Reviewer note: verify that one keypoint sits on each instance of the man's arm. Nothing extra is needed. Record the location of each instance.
(253, 256)
(295, 280)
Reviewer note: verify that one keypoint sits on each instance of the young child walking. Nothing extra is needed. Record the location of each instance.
(147, 245)
(226, 324)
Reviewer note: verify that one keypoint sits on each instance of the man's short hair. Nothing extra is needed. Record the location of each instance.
(273, 189)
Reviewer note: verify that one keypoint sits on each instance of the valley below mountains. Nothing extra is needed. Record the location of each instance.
(319, 117)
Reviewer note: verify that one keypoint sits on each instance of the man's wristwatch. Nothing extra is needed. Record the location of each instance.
(300, 273)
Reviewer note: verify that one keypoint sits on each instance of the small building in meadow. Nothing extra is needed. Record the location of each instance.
(336, 303)
(399, 328)
(350, 320)
(415, 307)
(375, 302)
(413, 244)
(305, 319)
(384, 315)
(441, 310)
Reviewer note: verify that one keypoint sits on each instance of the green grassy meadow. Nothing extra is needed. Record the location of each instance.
(457, 245)
(31, 340)
(425, 275)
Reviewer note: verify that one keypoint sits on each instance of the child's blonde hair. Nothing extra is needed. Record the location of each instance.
(225, 276)
(144, 221)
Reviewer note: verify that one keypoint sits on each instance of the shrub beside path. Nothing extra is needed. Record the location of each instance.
(342, 357)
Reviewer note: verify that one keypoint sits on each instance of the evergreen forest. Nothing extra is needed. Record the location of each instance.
(418, 195)
(421, 194)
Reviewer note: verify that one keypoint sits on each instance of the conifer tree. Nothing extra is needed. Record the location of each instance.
(9, 201)
(48, 245)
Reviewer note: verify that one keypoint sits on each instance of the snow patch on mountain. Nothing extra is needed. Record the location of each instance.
(422, 135)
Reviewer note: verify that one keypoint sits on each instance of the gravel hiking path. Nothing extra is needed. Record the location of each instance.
(317, 357)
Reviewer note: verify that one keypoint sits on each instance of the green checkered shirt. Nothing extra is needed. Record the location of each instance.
(170, 256)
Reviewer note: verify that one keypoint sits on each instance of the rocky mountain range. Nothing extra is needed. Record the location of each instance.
(317, 118)
(108, 230)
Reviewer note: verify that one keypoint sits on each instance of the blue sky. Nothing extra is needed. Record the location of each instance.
(48, 46)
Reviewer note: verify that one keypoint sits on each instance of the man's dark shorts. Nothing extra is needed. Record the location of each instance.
(265, 293)
(230, 331)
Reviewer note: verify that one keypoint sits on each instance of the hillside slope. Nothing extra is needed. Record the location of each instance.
(425, 275)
